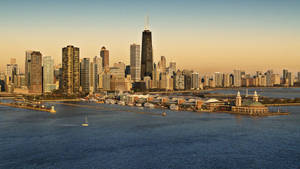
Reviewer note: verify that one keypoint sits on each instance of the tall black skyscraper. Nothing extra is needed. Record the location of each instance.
(147, 55)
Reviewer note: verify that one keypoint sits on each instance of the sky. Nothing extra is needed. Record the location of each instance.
(206, 36)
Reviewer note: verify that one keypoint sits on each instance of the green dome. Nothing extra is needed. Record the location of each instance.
(256, 104)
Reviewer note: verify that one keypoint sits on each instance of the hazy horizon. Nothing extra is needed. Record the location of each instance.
(214, 36)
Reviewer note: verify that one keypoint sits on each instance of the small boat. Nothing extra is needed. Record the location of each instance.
(138, 105)
(122, 103)
(174, 107)
(149, 105)
(86, 123)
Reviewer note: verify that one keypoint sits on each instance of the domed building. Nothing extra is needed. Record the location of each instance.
(251, 107)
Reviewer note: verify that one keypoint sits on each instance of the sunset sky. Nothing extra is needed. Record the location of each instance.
(207, 36)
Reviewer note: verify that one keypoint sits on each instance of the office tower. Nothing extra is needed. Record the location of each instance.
(12, 71)
(206, 80)
(121, 66)
(237, 78)
(135, 62)
(104, 53)
(218, 79)
(179, 81)
(85, 75)
(162, 64)
(195, 80)
(97, 63)
(263, 81)
(92, 73)
(163, 81)
(172, 67)
(106, 80)
(187, 79)
(127, 71)
(226, 78)
(35, 73)
(269, 81)
(2, 82)
(156, 76)
(27, 67)
(212, 83)
(48, 74)
(284, 73)
(290, 79)
(147, 54)
(276, 79)
(70, 70)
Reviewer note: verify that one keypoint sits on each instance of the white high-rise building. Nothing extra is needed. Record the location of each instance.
(48, 74)
(135, 62)
(218, 79)
(195, 80)
(237, 78)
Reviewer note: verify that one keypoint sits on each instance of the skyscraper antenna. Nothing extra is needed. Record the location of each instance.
(147, 23)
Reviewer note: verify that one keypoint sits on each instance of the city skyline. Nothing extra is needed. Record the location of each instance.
(204, 36)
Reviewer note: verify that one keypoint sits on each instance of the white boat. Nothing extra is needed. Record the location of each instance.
(121, 103)
(149, 105)
(138, 105)
(174, 107)
(86, 123)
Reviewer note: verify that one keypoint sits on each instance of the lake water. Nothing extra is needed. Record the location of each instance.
(127, 137)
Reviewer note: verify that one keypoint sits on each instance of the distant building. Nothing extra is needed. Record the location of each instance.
(163, 64)
(179, 81)
(97, 63)
(48, 74)
(218, 79)
(226, 78)
(269, 81)
(104, 53)
(290, 79)
(70, 70)
(195, 80)
(27, 67)
(173, 67)
(251, 107)
(187, 79)
(147, 55)
(85, 75)
(135, 62)
(12, 70)
(35, 73)
(237, 78)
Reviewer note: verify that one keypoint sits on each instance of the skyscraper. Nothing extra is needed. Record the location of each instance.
(97, 71)
(36, 72)
(135, 62)
(27, 67)
(48, 74)
(163, 64)
(147, 54)
(104, 53)
(237, 79)
(70, 70)
(85, 75)
(195, 80)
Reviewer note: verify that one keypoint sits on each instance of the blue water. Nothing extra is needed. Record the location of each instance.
(268, 92)
(123, 137)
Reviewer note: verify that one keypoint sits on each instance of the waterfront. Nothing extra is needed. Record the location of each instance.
(127, 139)
(264, 91)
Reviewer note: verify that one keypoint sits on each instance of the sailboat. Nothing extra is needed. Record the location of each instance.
(86, 123)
